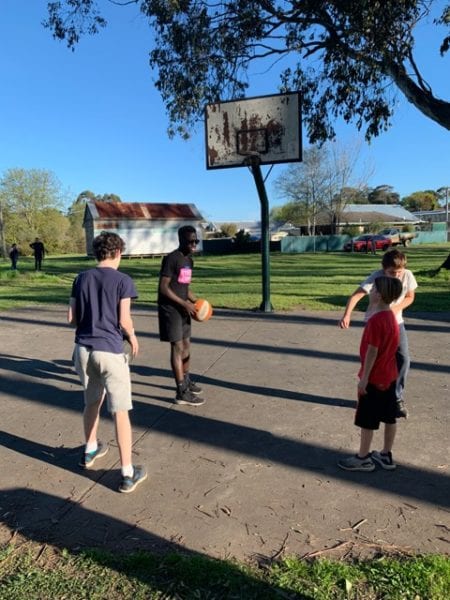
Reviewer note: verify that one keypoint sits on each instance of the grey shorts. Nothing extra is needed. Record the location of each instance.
(101, 372)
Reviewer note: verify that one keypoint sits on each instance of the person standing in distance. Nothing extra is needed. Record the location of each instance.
(100, 310)
(175, 307)
(14, 256)
(39, 253)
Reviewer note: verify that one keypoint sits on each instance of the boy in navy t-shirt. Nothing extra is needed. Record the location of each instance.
(100, 310)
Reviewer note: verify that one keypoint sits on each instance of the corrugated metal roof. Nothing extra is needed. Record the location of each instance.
(143, 210)
(391, 210)
(371, 216)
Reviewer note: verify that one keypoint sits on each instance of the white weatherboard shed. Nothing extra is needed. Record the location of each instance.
(146, 228)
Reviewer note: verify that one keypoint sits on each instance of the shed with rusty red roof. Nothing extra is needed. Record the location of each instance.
(147, 228)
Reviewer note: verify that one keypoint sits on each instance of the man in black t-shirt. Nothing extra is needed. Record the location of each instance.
(175, 307)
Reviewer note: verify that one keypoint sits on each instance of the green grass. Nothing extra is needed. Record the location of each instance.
(39, 572)
(319, 281)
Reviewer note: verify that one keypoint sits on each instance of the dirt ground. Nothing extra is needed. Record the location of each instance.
(252, 473)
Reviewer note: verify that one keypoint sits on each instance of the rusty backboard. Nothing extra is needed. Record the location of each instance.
(266, 126)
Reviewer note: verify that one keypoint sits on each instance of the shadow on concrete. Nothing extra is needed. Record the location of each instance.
(48, 519)
(269, 392)
(409, 481)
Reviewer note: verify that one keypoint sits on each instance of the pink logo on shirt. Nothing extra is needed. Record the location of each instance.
(185, 275)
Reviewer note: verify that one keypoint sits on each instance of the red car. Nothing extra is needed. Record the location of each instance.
(365, 242)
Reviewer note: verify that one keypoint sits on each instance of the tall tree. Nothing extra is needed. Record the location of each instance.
(427, 200)
(383, 194)
(320, 184)
(28, 199)
(75, 214)
(305, 186)
(444, 196)
(344, 54)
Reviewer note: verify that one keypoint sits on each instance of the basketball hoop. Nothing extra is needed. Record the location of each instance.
(267, 127)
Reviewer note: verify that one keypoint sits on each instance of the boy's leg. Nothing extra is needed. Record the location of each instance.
(384, 458)
(390, 429)
(91, 418)
(366, 419)
(132, 475)
(176, 361)
(186, 356)
(188, 383)
(124, 437)
(361, 461)
(403, 364)
(365, 442)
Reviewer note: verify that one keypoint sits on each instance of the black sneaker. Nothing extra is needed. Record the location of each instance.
(402, 411)
(89, 458)
(129, 484)
(384, 460)
(187, 397)
(193, 387)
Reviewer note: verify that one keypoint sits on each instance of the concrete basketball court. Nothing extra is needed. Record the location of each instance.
(252, 473)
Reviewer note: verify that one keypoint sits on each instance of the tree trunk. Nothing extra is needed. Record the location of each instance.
(432, 107)
(3, 252)
(446, 264)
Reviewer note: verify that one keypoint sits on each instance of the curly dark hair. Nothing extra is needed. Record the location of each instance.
(106, 245)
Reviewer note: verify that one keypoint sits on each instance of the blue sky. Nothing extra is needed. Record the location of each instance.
(94, 118)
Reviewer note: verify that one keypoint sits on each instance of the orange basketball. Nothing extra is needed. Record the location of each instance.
(203, 310)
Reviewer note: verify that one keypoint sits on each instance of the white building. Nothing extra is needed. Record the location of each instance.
(146, 228)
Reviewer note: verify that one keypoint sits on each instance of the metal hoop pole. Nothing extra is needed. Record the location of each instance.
(254, 163)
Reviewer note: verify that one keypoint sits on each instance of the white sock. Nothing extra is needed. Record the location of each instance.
(91, 447)
(127, 471)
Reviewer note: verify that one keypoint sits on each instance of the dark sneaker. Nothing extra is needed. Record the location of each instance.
(129, 484)
(89, 458)
(384, 460)
(402, 411)
(194, 388)
(355, 463)
(187, 397)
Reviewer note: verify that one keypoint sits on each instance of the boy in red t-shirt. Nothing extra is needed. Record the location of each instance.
(377, 379)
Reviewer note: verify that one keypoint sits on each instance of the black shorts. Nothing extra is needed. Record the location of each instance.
(375, 407)
(174, 323)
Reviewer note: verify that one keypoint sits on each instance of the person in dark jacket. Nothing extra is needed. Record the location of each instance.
(14, 256)
(38, 252)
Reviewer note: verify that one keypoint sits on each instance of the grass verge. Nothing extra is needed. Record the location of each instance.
(33, 571)
(306, 281)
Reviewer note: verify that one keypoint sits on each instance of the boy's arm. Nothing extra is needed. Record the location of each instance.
(164, 288)
(71, 312)
(126, 324)
(407, 301)
(369, 361)
(359, 293)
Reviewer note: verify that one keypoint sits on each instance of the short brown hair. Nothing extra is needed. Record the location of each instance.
(393, 258)
(106, 245)
(389, 288)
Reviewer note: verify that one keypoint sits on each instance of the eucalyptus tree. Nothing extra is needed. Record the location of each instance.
(346, 57)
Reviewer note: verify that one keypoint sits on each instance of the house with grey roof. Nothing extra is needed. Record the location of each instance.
(388, 214)
(146, 228)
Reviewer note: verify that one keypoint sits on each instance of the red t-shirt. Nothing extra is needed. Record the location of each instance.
(382, 332)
